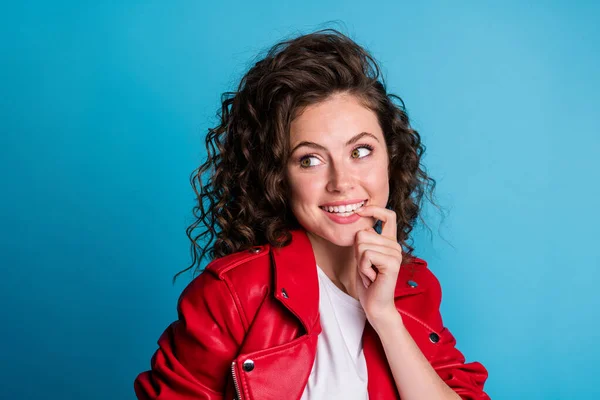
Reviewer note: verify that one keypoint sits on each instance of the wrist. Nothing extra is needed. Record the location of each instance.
(386, 321)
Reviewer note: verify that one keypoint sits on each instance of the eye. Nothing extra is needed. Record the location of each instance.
(359, 152)
(356, 153)
(305, 161)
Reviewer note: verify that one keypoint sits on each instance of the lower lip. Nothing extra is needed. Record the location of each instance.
(342, 220)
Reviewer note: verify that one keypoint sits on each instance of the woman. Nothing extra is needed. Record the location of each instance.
(315, 186)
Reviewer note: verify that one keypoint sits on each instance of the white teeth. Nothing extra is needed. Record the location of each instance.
(345, 209)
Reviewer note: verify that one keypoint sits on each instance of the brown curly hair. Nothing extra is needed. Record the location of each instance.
(244, 199)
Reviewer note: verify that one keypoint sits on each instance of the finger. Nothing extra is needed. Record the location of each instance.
(387, 218)
(366, 282)
(371, 236)
(384, 263)
(395, 251)
(365, 266)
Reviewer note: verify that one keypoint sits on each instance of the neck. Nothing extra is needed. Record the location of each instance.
(337, 262)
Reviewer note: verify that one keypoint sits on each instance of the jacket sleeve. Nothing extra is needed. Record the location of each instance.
(195, 352)
(466, 379)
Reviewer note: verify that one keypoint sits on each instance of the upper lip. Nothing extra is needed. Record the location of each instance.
(342, 202)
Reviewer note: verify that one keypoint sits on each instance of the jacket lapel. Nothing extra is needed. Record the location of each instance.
(296, 281)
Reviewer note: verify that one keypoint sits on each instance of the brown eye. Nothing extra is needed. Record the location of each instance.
(357, 154)
(305, 162)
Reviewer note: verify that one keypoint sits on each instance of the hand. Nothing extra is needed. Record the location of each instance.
(378, 260)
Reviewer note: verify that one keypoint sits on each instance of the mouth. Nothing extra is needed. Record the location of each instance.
(345, 210)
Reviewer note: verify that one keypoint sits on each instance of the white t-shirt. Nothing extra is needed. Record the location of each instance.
(340, 369)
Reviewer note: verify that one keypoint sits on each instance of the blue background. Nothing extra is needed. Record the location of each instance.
(104, 107)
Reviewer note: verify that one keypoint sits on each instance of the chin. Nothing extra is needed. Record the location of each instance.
(342, 236)
(343, 242)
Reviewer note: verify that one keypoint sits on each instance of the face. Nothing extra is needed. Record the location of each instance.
(339, 157)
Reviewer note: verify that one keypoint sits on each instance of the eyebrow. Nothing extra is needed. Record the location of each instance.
(354, 139)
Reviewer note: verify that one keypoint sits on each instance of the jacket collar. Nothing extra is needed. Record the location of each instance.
(296, 281)
(297, 285)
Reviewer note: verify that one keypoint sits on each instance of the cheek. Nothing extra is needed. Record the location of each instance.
(303, 188)
(376, 182)
(376, 176)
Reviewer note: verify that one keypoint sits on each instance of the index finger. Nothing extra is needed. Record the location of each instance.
(387, 218)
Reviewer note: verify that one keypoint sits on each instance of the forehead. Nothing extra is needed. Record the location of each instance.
(335, 119)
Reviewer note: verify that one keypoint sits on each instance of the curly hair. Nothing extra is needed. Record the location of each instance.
(244, 199)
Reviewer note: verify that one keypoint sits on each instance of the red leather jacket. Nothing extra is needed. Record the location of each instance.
(248, 328)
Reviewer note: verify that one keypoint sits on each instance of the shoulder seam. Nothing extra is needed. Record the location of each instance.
(220, 272)
(237, 303)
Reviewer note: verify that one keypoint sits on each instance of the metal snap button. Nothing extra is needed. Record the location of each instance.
(412, 284)
(434, 337)
(284, 293)
(248, 365)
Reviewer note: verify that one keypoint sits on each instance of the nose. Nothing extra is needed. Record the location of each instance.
(340, 179)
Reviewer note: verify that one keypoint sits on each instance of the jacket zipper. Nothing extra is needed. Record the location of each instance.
(235, 382)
